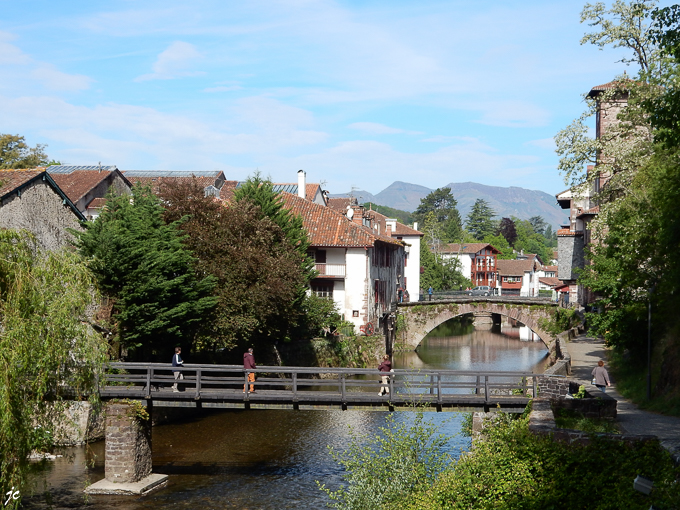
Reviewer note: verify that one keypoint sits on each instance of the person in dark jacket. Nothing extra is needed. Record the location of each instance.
(177, 362)
(249, 364)
(601, 376)
(385, 368)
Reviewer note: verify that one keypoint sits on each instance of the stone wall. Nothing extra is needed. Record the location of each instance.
(78, 424)
(40, 210)
(570, 256)
(542, 422)
(128, 444)
(420, 319)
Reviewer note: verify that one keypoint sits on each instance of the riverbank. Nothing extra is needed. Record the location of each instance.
(585, 352)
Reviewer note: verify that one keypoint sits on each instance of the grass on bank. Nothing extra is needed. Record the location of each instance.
(569, 419)
(630, 375)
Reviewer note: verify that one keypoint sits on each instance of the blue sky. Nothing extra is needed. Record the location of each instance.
(356, 93)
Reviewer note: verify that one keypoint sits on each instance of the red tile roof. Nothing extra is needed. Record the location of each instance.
(339, 204)
(514, 267)
(97, 203)
(77, 184)
(550, 268)
(328, 228)
(13, 179)
(552, 282)
(469, 248)
(401, 229)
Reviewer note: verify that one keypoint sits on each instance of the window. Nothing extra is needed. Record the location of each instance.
(320, 256)
(323, 289)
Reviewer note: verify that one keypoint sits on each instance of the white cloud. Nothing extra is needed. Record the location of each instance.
(544, 143)
(380, 129)
(513, 114)
(174, 62)
(54, 79)
(9, 53)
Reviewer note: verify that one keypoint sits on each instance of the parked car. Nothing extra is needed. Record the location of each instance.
(482, 290)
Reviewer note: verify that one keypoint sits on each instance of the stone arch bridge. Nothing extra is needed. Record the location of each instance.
(419, 318)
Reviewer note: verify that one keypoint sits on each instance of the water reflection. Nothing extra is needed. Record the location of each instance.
(272, 459)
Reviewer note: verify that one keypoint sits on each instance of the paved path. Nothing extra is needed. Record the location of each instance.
(585, 353)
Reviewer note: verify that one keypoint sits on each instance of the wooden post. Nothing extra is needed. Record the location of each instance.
(198, 384)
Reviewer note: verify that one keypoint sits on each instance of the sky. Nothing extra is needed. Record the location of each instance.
(357, 93)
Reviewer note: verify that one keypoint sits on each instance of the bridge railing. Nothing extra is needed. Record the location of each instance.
(306, 382)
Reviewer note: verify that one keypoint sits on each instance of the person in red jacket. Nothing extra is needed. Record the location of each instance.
(385, 368)
(249, 364)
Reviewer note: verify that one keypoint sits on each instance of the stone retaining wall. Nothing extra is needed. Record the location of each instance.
(542, 422)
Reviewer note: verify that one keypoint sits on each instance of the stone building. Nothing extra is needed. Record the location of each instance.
(32, 200)
(87, 186)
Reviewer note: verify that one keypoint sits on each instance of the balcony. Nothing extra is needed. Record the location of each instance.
(331, 270)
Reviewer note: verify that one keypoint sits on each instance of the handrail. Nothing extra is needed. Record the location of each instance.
(284, 384)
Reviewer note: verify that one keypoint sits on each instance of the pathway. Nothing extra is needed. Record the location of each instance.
(585, 353)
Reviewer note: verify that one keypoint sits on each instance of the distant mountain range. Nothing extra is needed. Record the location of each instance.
(513, 201)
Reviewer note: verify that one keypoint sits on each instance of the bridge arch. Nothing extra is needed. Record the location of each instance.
(420, 318)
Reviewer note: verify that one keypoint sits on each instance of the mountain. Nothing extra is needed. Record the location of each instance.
(513, 201)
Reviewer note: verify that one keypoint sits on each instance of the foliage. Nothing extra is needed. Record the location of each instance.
(320, 314)
(573, 420)
(479, 221)
(15, 153)
(511, 468)
(443, 206)
(260, 270)
(506, 228)
(439, 272)
(142, 263)
(382, 469)
(562, 319)
(404, 217)
(501, 244)
(46, 346)
(529, 241)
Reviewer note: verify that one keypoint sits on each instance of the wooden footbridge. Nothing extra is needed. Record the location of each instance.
(319, 388)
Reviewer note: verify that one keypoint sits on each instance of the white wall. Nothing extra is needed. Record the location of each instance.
(412, 269)
(355, 286)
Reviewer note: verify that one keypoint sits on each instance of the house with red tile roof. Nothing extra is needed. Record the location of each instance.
(86, 186)
(32, 200)
(477, 261)
(519, 276)
(358, 268)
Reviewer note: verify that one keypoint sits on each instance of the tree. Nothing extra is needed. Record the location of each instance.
(260, 192)
(15, 153)
(46, 346)
(538, 223)
(444, 206)
(479, 222)
(439, 272)
(160, 301)
(506, 228)
(259, 271)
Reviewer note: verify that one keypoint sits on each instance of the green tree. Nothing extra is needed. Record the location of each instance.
(439, 272)
(259, 272)
(160, 301)
(15, 153)
(46, 346)
(479, 221)
(444, 206)
(529, 241)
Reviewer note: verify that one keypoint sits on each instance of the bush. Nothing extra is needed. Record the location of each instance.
(388, 467)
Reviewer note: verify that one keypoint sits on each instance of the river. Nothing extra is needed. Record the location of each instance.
(265, 459)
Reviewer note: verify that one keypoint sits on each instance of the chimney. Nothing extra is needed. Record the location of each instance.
(415, 225)
(302, 184)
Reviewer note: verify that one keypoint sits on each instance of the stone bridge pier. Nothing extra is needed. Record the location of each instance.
(419, 318)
